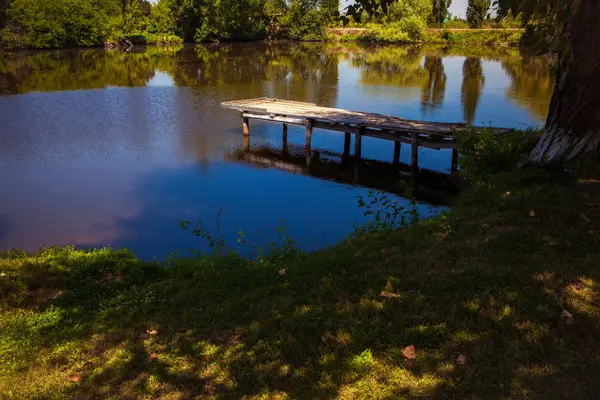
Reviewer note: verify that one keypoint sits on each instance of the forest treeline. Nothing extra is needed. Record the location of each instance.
(83, 23)
(71, 23)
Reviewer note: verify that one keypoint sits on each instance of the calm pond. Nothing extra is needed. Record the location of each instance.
(112, 148)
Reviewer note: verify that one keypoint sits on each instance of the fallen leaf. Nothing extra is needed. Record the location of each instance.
(389, 287)
(568, 317)
(532, 213)
(461, 359)
(387, 294)
(75, 378)
(409, 352)
(506, 194)
(566, 314)
(282, 272)
(152, 332)
(152, 356)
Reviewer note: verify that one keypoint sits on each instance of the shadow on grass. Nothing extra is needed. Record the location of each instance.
(493, 287)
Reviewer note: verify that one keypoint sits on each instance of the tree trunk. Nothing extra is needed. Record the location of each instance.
(573, 125)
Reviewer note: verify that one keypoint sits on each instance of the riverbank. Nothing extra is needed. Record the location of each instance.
(497, 298)
(371, 34)
(382, 34)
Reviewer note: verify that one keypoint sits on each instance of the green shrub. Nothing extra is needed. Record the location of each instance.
(389, 33)
(414, 27)
(483, 154)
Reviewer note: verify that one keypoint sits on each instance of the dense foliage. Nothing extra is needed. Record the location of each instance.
(477, 11)
(439, 11)
(68, 23)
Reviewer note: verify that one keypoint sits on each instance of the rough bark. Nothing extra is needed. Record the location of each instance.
(573, 125)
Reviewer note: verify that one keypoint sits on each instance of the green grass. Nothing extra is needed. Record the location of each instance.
(490, 281)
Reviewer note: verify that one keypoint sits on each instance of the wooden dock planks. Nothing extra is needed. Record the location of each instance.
(328, 118)
(436, 135)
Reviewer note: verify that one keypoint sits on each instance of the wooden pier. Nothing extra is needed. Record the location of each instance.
(435, 135)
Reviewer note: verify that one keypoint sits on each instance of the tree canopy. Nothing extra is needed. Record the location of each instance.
(77, 23)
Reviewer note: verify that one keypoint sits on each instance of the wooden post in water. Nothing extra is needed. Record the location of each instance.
(346, 155)
(454, 165)
(358, 153)
(414, 167)
(397, 148)
(307, 150)
(286, 150)
(246, 125)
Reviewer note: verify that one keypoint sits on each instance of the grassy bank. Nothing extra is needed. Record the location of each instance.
(499, 298)
(391, 34)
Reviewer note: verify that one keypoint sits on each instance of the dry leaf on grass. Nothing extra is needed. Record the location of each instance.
(282, 272)
(152, 356)
(152, 332)
(532, 213)
(389, 295)
(461, 359)
(409, 352)
(75, 378)
(388, 287)
(567, 316)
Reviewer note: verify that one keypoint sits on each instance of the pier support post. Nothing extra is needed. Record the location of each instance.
(397, 148)
(285, 132)
(454, 165)
(307, 144)
(358, 153)
(414, 167)
(346, 155)
(246, 125)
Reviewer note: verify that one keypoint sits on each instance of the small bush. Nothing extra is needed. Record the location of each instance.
(390, 33)
(483, 154)
(414, 27)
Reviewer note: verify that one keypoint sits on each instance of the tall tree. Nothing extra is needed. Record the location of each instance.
(439, 11)
(477, 10)
(573, 125)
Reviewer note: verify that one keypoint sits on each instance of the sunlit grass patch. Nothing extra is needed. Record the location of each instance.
(486, 301)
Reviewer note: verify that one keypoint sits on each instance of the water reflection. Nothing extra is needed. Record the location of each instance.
(472, 86)
(434, 87)
(105, 147)
(434, 188)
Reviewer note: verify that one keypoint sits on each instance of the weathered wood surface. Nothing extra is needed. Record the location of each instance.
(374, 125)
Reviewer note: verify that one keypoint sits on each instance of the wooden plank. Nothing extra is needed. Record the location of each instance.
(276, 118)
(341, 120)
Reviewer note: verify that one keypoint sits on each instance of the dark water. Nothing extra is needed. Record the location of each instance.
(110, 148)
